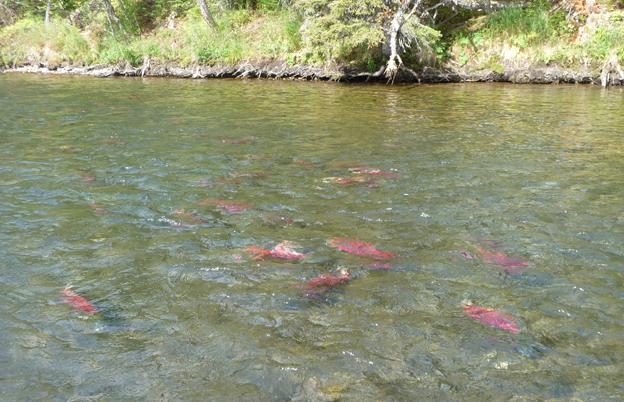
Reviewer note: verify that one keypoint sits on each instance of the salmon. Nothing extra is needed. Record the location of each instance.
(358, 247)
(78, 302)
(491, 317)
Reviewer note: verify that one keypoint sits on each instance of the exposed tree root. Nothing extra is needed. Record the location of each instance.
(392, 40)
(330, 72)
(394, 60)
(609, 68)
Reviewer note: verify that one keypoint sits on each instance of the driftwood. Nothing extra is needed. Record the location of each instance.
(373, 76)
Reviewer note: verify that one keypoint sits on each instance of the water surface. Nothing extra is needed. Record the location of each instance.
(101, 185)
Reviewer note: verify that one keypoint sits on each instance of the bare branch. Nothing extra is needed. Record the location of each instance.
(447, 20)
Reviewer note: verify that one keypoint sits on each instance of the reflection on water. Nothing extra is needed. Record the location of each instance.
(252, 240)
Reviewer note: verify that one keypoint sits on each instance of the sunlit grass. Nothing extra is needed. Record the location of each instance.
(604, 42)
(533, 35)
(511, 36)
(55, 42)
(240, 35)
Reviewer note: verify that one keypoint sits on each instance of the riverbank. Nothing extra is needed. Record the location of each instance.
(539, 43)
(528, 74)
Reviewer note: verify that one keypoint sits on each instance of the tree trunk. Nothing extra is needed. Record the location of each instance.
(487, 5)
(110, 14)
(203, 6)
(47, 17)
(392, 41)
(391, 45)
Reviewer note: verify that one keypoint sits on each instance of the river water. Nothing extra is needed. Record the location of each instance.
(144, 196)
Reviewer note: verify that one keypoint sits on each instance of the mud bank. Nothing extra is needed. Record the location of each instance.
(334, 72)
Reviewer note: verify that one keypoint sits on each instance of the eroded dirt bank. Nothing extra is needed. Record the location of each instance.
(333, 72)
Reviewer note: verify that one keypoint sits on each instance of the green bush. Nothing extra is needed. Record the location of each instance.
(371, 66)
(340, 29)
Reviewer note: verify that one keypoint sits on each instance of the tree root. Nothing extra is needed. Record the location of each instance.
(392, 39)
(609, 68)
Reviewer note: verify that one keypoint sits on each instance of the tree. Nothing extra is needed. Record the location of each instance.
(406, 32)
(203, 6)
(47, 14)
(391, 45)
(337, 28)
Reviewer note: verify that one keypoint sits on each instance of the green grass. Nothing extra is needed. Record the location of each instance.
(535, 34)
(240, 35)
(531, 26)
(534, 24)
(56, 42)
(603, 43)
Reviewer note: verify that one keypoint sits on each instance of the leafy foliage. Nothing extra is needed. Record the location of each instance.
(309, 31)
(340, 28)
(421, 39)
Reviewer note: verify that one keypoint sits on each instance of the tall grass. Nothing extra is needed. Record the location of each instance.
(529, 34)
(532, 25)
(56, 42)
(603, 43)
(240, 35)
(535, 34)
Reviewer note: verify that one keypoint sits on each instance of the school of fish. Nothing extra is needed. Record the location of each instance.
(318, 286)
